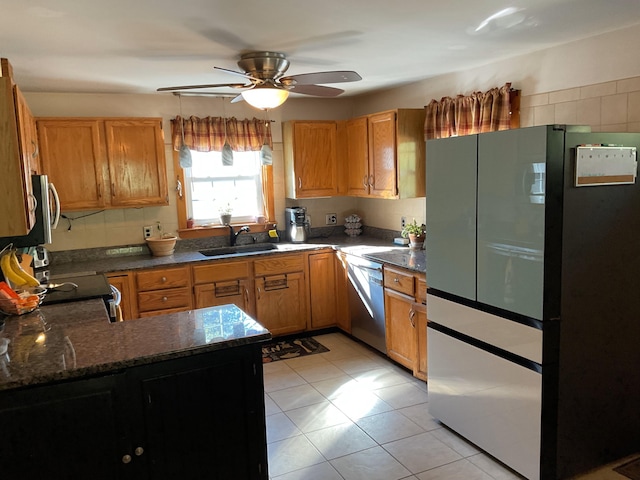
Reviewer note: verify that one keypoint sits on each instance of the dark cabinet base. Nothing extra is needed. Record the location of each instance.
(190, 418)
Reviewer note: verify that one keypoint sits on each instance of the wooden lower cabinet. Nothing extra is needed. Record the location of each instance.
(122, 281)
(280, 303)
(406, 319)
(189, 418)
(400, 328)
(322, 289)
(221, 283)
(163, 290)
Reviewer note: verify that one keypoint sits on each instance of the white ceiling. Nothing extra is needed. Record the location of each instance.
(136, 46)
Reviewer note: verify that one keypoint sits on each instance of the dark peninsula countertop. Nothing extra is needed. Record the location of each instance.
(366, 246)
(66, 341)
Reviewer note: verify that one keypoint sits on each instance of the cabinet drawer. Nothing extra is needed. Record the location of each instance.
(163, 278)
(216, 272)
(164, 299)
(399, 280)
(421, 289)
(280, 264)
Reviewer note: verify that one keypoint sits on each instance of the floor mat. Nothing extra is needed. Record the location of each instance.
(630, 469)
(291, 348)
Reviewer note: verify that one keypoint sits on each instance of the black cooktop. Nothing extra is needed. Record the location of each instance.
(89, 286)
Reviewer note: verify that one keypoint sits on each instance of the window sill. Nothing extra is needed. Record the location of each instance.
(222, 230)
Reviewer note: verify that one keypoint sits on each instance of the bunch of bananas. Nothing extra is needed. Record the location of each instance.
(14, 273)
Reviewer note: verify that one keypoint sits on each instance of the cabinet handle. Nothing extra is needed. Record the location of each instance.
(299, 182)
(113, 189)
(36, 151)
(99, 191)
(371, 180)
(246, 296)
(258, 293)
(164, 299)
(364, 182)
(126, 459)
(34, 200)
(412, 314)
(138, 451)
(179, 188)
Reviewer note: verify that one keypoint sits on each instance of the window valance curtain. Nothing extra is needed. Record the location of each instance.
(465, 115)
(208, 134)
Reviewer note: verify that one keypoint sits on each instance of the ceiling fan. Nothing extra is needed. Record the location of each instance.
(267, 86)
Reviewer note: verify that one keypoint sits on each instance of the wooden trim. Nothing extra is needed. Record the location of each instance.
(267, 193)
(220, 231)
(181, 203)
(514, 105)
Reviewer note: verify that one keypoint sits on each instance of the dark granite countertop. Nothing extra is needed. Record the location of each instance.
(73, 340)
(371, 247)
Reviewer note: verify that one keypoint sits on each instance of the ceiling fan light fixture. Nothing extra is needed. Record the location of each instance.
(265, 98)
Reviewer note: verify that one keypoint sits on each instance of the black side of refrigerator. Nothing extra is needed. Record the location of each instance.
(598, 375)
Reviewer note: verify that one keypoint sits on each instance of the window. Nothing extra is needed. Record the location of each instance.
(211, 186)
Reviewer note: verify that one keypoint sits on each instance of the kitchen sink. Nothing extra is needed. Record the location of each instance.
(258, 247)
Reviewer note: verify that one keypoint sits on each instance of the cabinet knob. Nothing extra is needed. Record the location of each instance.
(163, 279)
(395, 280)
(164, 299)
(138, 451)
(126, 459)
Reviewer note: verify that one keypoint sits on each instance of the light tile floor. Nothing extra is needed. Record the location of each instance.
(350, 414)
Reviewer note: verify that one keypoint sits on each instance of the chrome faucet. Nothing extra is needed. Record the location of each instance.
(233, 236)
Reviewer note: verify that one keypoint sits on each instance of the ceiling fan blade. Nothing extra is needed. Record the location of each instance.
(193, 87)
(242, 74)
(237, 99)
(317, 90)
(321, 77)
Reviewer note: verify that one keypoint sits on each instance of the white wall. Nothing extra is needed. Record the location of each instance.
(591, 80)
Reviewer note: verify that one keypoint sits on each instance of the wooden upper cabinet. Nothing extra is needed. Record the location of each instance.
(137, 167)
(72, 155)
(357, 168)
(386, 155)
(104, 162)
(310, 156)
(17, 209)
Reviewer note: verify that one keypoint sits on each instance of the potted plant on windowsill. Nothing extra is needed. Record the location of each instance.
(415, 233)
(225, 214)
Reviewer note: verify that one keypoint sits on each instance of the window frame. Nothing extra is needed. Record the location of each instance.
(218, 230)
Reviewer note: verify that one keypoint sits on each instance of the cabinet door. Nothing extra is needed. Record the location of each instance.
(17, 209)
(223, 293)
(72, 155)
(310, 159)
(382, 155)
(280, 303)
(69, 431)
(420, 321)
(122, 282)
(400, 328)
(322, 286)
(357, 157)
(137, 166)
(28, 136)
(205, 420)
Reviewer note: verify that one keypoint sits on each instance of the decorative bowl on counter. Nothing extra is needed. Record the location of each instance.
(162, 246)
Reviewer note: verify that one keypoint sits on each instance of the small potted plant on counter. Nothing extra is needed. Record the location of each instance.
(225, 214)
(415, 233)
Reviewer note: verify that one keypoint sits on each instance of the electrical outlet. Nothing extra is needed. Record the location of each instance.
(331, 219)
(403, 222)
(147, 231)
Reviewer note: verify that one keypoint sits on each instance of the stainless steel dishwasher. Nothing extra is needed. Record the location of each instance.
(366, 301)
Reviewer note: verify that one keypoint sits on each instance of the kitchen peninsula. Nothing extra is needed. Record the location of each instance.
(172, 396)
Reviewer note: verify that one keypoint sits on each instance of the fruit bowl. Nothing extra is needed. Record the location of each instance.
(28, 300)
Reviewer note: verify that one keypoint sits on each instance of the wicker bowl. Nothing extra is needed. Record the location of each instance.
(162, 246)
(28, 301)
